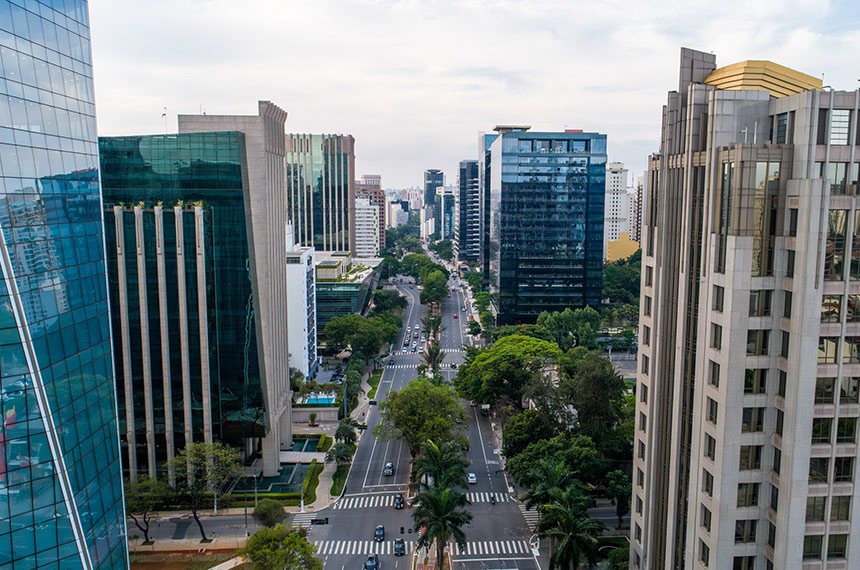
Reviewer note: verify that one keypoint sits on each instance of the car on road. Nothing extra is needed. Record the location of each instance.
(372, 562)
(379, 533)
(473, 403)
(453, 365)
(464, 308)
(414, 349)
(399, 547)
(388, 470)
(472, 478)
(456, 316)
(398, 501)
(405, 348)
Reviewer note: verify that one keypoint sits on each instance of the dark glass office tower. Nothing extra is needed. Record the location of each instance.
(468, 236)
(60, 479)
(546, 194)
(433, 178)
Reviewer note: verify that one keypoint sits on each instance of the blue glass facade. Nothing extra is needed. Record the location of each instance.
(545, 240)
(60, 479)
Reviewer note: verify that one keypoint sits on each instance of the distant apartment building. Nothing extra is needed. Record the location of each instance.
(544, 196)
(302, 307)
(467, 242)
(195, 232)
(617, 206)
(398, 214)
(366, 228)
(370, 186)
(320, 189)
(749, 340)
(427, 223)
(634, 217)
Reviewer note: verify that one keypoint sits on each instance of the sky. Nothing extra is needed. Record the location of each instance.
(415, 81)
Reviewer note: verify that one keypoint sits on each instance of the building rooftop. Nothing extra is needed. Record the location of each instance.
(760, 75)
(511, 128)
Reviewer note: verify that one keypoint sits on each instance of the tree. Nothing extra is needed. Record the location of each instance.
(281, 548)
(443, 465)
(621, 279)
(346, 431)
(577, 452)
(142, 499)
(339, 453)
(560, 326)
(597, 393)
(474, 328)
(387, 301)
(573, 534)
(432, 324)
(620, 557)
(586, 324)
(443, 248)
(361, 335)
(521, 430)
(548, 476)
(435, 288)
(419, 412)
(434, 356)
(618, 488)
(269, 512)
(202, 468)
(441, 516)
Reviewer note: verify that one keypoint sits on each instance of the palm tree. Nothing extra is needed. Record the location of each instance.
(440, 518)
(346, 431)
(434, 356)
(340, 453)
(548, 475)
(444, 464)
(572, 533)
(432, 324)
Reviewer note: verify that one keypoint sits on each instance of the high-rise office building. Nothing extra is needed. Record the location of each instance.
(617, 204)
(749, 339)
(467, 242)
(433, 179)
(302, 307)
(370, 186)
(320, 190)
(61, 503)
(545, 239)
(366, 228)
(445, 200)
(196, 235)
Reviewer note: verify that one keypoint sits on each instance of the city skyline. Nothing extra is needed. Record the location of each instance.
(395, 73)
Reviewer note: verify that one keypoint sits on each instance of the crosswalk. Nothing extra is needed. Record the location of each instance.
(335, 547)
(402, 365)
(303, 520)
(531, 516)
(492, 547)
(387, 500)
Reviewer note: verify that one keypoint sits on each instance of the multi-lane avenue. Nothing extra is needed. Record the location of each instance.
(499, 532)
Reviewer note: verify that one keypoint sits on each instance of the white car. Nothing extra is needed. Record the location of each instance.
(472, 478)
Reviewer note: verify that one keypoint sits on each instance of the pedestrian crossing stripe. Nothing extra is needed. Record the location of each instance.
(531, 516)
(303, 520)
(491, 547)
(335, 547)
(377, 501)
(402, 366)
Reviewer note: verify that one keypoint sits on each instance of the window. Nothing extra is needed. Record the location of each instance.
(852, 309)
(840, 122)
(710, 447)
(707, 482)
(706, 518)
(640, 478)
(646, 335)
(711, 407)
(757, 341)
(646, 306)
(716, 336)
(719, 298)
(824, 390)
(789, 263)
(849, 389)
(774, 498)
(752, 419)
(827, 349)
(851, 350)
(704, 553)
(777, 459)
(843, 470)
(748, 494)
(783, 349)
(834, 261)
(783, 380)
(846, 430)
(745, 530)
(812, 546)
(780, 421)
(780, 128)
(760, 301)
(840, 508)
(643, 393)
(750, 457)
(649, 276)
(815, 509)
(637, 560)
(792, 222)
(818, 467)
(831, 308)
(642, 421)
(638, 504)
(821, 428)
(743, 562)
(755, 381)
(638, 532)
(645, 364)
(836, 546)
(771, 535)
(642, 450)
(786, 311)
(714, 376)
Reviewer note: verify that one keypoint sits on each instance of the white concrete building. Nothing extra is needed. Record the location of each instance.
(302, 307)
(617, 203)
(366, 228)
(428, 223)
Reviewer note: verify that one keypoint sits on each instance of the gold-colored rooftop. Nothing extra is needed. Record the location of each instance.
(762, 75)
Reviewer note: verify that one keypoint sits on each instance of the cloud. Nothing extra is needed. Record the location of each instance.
(416, 80)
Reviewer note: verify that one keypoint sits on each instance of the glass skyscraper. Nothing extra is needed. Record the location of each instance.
(60, 480)
(546, 197)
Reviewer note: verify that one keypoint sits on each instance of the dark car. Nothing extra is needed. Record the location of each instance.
(379, 533)
(372, 562)
(399, 547)
(388, 470)
(398, 501)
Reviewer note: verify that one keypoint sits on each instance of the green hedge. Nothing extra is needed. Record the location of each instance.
(339, 480)
(324, 444)
(312, 480)
(374, 383)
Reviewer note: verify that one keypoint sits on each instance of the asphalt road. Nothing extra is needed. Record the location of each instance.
(498, 534)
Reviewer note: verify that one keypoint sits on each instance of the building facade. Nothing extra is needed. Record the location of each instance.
(198, 281)
(61, 501)
(366, 228)
(749, 342)
(545, 192)
(446, 199)
(433, 179)
(467, 242)
(635, 216)
(320, 187)
(617, 206)
(302, 307)
(370, 187)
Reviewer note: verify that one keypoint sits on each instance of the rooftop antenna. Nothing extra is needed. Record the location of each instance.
(164, 116)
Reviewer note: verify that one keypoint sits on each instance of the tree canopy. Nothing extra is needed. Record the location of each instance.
(281, 548)
(621, 279)
(362, 335)
(388, 301)
(443, 248)
(577, 452)
(435, 287)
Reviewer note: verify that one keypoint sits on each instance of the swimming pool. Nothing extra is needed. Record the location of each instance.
(320, 400)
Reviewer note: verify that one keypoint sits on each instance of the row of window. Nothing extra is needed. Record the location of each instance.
(828, 350)
(843, 469)
(816, 508)
(822, 430)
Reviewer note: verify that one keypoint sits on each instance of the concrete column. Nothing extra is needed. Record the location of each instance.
(203, 323)
(126, 342)
(146, 356)
(165, 342)
(183, 324)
